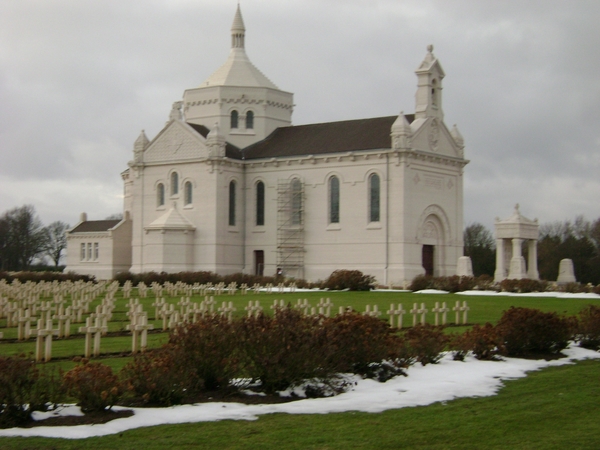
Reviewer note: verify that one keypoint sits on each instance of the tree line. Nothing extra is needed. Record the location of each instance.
(24, 239)
(578, 240)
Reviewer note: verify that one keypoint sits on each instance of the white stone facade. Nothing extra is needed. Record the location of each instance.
(210, 193)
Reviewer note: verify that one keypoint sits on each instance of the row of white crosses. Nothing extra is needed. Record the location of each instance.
(420, 312)
(28, 308)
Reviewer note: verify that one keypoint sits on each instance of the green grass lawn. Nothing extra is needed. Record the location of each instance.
(482, 309)
(553, 408)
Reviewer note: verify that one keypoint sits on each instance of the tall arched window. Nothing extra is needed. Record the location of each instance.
(374, 195)
(334, 200)
(234, 119)
(249, 120)
(174, 183)
(260, 203)
(188, 193)
(160, 195)
(232, 203)
(296, 202)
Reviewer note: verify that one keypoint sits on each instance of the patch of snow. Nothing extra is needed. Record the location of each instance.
(424, 385)
(431, 291)
(535, 294)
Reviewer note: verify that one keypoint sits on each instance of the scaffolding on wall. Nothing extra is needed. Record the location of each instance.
(290, 227)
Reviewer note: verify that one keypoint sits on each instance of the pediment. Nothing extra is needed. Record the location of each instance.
(176, 142)
(431, 135)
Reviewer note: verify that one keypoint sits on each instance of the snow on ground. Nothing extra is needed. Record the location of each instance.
(534, 294)
(424, 385)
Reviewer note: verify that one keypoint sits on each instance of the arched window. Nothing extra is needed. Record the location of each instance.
(334, 200)
(374, 195)
(160, 195)
(232, 203)
(296, 202)
(249, 120)
(434, 92)
(174, 183)
(260, 203)
(234, 119)
(188, 193)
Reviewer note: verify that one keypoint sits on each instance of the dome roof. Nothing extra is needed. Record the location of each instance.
(238, 70)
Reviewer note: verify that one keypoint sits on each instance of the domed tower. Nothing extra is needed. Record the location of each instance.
(245, 104)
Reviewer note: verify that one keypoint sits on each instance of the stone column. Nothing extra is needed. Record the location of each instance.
(500, 273)
(532, 271)
(517, 262)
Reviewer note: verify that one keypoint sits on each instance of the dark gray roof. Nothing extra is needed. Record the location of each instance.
(322, 138)
(231, 151)
(95, 225)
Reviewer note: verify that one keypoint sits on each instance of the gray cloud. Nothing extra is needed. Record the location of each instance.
(79, 80)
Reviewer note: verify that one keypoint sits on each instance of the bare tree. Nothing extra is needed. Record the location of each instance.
(57, 240)
(23, 238)
(479, 246)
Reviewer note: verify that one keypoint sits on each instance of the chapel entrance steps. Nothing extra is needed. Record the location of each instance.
(290, 227)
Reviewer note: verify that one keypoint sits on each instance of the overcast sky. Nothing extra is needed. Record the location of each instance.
(79, 79)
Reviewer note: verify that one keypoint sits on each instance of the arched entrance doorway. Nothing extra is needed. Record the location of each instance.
(432, 245)
(427, 258)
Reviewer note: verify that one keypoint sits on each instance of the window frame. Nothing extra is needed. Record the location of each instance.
(250, 120)
(234, 119)
(188, 196)
(160, 195)
(260, 204)
(174, 178)
(232, 203)
(333, 196)
(296, 201)
(374, 198)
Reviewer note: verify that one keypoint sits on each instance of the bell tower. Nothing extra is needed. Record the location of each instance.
(429, 91)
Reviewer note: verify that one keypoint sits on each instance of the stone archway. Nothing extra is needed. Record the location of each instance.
(432, 237)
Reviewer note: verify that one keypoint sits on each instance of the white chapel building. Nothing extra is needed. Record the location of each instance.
(230, 185)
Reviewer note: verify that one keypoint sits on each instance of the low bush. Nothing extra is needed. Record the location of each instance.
(526, 285)
(589, 327)
(483, 341)
(426, 343)
(484, 283)
(283, 350)
(526, 331)
(452, 283)
(94, 385)
(353, 280)
(573, 287)
(509, 285)
(17, 380)
(208, 351)
(154, 378)
(36, 277)
(24, 389)
(366, 346)
(421, 282)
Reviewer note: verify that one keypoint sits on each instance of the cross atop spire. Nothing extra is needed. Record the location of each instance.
(238, 31)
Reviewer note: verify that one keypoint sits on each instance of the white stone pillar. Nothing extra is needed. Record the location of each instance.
(517, 262)
(500, 273)
(532, 267)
